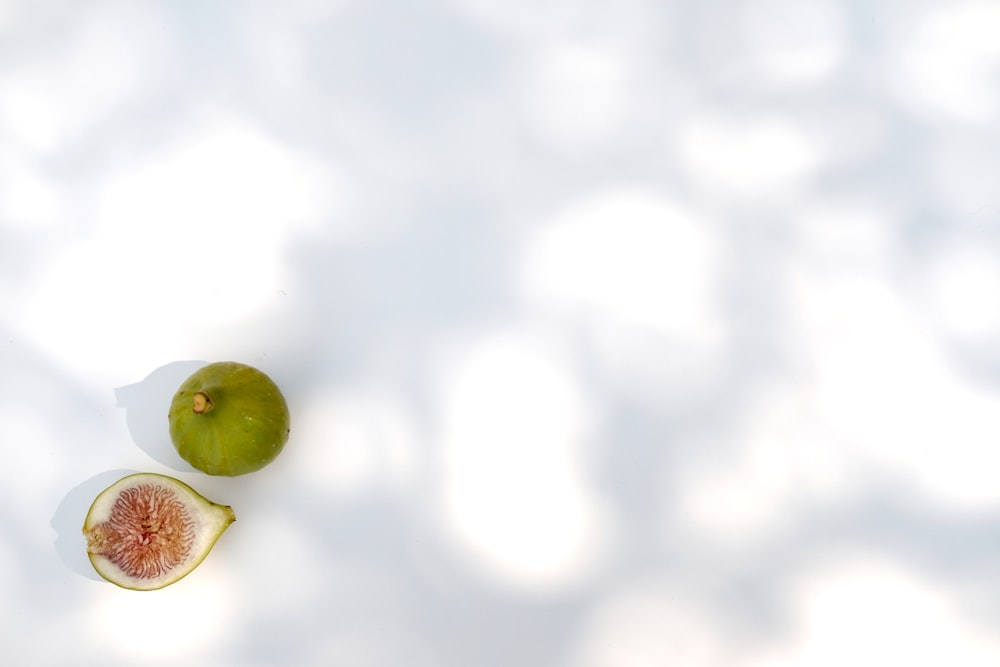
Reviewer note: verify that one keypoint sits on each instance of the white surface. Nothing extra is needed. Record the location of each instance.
(629, 333)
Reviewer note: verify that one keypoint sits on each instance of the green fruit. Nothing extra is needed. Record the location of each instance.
(229, 419)
(146, 531)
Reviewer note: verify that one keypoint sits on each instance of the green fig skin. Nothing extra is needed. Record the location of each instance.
(229, 419)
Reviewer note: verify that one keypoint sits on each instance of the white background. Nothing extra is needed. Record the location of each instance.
(624, 333)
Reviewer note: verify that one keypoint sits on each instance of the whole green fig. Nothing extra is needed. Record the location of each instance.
(229, 419)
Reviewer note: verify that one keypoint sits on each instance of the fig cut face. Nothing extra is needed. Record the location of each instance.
(228, 419)
(147, 531)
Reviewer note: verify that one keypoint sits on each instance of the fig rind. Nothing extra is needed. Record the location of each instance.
(228, 419)
(147, 531)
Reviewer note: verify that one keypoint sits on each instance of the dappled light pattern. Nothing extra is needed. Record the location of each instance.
(578, 97)
(195, 619)
(369, 438)
(83, 74)
(786, 459)
(206, 214)
(615, 334)
(644, 624)
(794, 41)
(640, 277)
(960, 282)
(513, 457)
(883, 384)
(941, 61)
(867, 611)
(762, 157)
(630, 255)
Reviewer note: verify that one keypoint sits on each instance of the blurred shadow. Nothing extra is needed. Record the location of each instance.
(146, 404)
(69, 517)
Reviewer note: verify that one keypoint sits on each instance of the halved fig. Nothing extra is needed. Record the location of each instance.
(228, 419)
(146, 531)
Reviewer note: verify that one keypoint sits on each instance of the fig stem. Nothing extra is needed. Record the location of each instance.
(202, 403)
